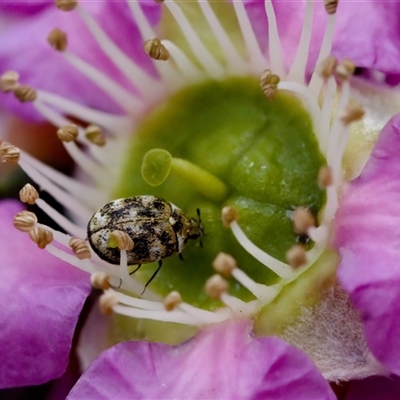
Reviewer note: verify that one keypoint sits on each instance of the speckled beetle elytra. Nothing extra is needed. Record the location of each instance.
(158, 229)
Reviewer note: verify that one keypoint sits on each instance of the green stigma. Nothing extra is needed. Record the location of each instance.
(224, 143)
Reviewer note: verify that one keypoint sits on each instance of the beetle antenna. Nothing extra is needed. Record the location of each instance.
(153, 276)
(201, 227)
(131, 273)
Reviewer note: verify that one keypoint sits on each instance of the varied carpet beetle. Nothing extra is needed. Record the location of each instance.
(158, 229)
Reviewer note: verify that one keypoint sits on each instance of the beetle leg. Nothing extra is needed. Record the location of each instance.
(180, 256)
(153, 276)
(131, 273)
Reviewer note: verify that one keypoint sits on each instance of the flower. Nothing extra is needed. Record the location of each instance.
(204, 127)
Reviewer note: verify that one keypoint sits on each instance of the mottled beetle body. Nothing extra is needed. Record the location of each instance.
(158, 229)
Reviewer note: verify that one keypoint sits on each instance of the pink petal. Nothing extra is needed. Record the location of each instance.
(368, 34)
(222, 362)
(24, 48)
(41, 299)
(368, 238)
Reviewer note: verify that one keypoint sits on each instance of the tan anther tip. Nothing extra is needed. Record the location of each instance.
(302, 220)
(156, 50)
(296, 256)
(172, 300)
(9, 81)
(224, 264)
(229, 214)
(215, 286)
(325, 177)
(58, 39)
(80, 248)
(159, 1)
(100, 280)
(345, 69)
(28, 194)
(331, 6)
(41, 236)
(95, 135)
(106, 302)
(327, 67)
(66, 5)
(269, 84)
(25, 221)
(352, 113)
(9, 153)
(25, 93)
(121, 240)
(68, 133)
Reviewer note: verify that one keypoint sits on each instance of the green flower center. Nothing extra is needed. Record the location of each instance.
(266, 154)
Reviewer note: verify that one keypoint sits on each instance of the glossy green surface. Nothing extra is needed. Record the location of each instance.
(264, 151)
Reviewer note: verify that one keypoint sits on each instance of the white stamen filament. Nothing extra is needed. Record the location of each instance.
(168, 74)
(185, 66)
(298, 68)
(166, 316)
(108, 121)
(281, 269)
(306, 95)
(259, 290)
(88, 194)
(206, 316)
(325, 49)
(122, 97)
(83, 265)
(257, 60)
(61, 220)
(234, 61)
(334, 134)
(326, 113)
(64, 198)
(274, 43)
(139, 77)
(205, 58)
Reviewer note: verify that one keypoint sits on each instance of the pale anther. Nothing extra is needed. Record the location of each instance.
(80, 248)
(100, 280)
(9, 153)
(41, 236)
(95, 135)
(296, 256)
(66, 5)
(9, 81)
(302, 220)
(325, 177)
(25, 93)
(121, 240)
(25, 221)
(229, 214)
(224, 264)
(106, 302)
(172, 300)
(331, 6)
(269, 84)
(58, 39)
(345, 69)
(68, 133)
(352, 113)
(156, 50)
(28, 194)
(327, 67)
(215, 286)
